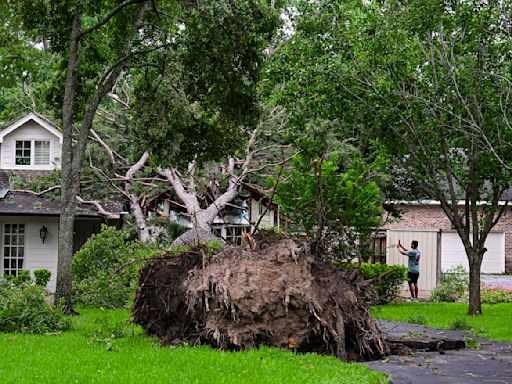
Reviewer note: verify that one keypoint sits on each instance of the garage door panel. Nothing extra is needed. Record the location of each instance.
(428, 262)
(453, 253)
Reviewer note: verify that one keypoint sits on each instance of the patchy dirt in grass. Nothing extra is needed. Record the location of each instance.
(275, 295)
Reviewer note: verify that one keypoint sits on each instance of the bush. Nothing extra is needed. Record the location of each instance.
(452, 286)
(105, 269)
(460, 324)
(22, 277)
(418, 319)
(25, 308)
(387, 279)
(496, 295)
(42, 277)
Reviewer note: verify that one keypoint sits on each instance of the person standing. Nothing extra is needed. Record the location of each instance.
(413, 266)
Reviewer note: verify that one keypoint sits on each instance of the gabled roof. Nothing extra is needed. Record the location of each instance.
(37, 119)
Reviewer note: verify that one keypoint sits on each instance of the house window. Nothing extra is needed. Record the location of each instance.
(217, 231)
(234, 234)
(23, 152)
(32, 152)
(14, 248)
(42, 152)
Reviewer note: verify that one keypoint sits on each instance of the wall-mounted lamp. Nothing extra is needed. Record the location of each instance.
(43, 233)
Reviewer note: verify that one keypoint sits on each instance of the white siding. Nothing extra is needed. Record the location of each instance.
(427, 244)
(29, 131)
(257, 208)
(453, 253)
(37, 254)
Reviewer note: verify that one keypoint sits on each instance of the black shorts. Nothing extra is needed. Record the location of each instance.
(412, 277)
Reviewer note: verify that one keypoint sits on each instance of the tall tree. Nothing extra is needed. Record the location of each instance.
(443, 74)
(96, 42)
(431, 81)
(99, 40)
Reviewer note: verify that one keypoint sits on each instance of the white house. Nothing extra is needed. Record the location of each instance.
(31, 143)
(29, 223)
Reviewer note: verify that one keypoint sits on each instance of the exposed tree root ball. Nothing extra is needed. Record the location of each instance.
(277, 295)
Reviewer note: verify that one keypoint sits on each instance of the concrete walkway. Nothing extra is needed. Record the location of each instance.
(490, 364)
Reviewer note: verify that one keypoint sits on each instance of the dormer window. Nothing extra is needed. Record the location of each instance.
(32, 152)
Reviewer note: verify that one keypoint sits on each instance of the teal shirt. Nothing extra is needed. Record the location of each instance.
(414, 260)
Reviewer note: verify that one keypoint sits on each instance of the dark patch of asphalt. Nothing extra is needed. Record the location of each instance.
(492, 363)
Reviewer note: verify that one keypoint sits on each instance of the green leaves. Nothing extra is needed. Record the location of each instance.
(199, 102)
(351, 193)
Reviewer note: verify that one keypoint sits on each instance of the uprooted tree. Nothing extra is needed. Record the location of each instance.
(202, 188)
(276, 294)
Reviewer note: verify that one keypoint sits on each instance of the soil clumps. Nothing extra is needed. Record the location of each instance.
(276, 295)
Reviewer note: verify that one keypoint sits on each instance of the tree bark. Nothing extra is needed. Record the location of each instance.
(475, 305)
(68, 201)
(203, 217)
(140, 219)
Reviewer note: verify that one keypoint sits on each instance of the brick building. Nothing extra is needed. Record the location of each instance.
(430, 216)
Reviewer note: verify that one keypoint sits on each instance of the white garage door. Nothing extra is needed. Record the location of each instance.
(453, 253)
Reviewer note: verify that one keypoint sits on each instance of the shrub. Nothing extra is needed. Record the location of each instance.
(472, 343)
(105, 269)
(418, 319)
(460, 324)
(452, 286)
(22, 277)
(387, 279)
(42, 277)
(496, 295)
(25, 308)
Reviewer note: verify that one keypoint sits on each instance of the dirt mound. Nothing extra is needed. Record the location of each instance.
(277, 296)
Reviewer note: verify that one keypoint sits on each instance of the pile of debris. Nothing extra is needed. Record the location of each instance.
(274, 294)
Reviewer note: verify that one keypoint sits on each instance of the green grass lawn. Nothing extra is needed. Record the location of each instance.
(85, 355)
(495, 323)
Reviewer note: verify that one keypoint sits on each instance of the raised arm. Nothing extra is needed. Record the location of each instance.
(401, 248)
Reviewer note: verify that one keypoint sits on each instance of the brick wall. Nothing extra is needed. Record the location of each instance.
(433, 217)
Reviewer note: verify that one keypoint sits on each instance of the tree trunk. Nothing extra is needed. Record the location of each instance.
(475, 304)
(64, 276)
(68, 188)
(200, 220)
(72, 157)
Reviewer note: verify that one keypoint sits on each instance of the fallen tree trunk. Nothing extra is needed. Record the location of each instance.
(277, 295)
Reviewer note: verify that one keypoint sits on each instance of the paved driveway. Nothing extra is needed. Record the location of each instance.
(490, 364)
(504, 281)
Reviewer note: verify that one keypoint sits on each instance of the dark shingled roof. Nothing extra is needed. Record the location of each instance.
(22, 203)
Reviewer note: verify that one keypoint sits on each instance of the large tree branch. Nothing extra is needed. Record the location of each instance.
(109, 16)
(40, 193)
(97, 205)
(105, 146)
(105, 85)
(189, 199)
(137, 166)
